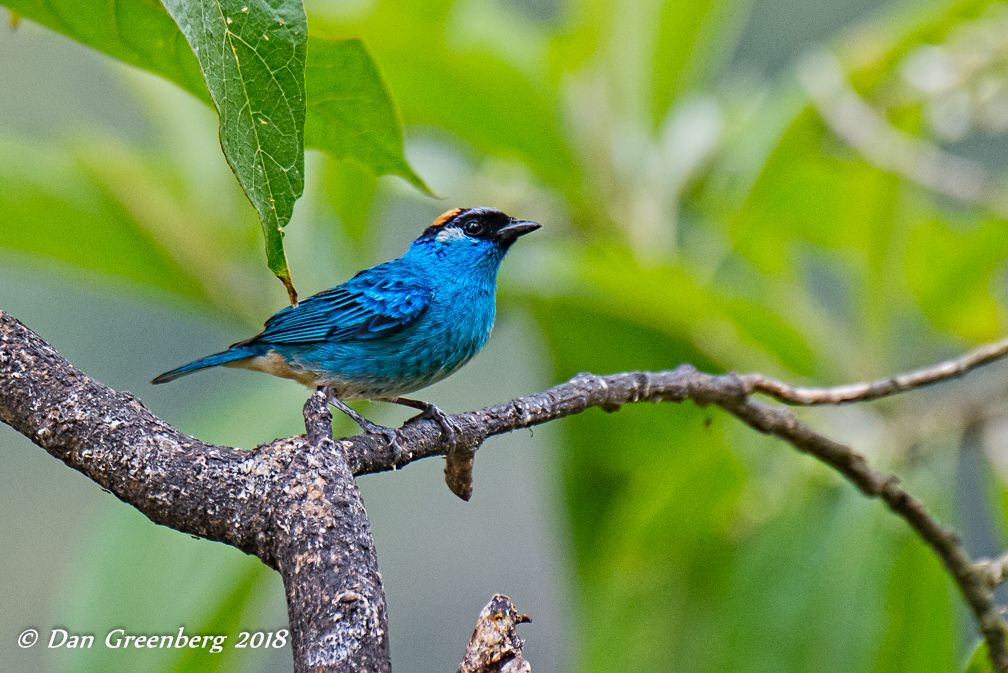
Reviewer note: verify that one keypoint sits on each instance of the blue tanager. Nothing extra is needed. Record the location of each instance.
(391, 329)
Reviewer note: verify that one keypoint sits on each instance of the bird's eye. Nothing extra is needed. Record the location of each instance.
(473, 228)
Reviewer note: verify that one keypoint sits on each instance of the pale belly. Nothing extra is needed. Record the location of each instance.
(358, 386)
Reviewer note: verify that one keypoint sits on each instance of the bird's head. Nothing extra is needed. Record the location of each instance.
(478, 236)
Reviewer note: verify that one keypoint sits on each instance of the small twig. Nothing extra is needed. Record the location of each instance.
(873, 390)
(728, 392)
(495, 646)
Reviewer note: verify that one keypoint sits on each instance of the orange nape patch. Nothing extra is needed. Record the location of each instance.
(447, 217)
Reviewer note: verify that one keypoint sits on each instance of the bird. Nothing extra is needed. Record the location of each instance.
(393, 328)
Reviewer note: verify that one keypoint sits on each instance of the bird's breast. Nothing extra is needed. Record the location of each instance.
(456, 328)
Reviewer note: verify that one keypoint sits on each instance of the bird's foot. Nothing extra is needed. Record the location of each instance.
(390, 434)
(448, 427)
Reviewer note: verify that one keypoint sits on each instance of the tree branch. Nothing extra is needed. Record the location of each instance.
(294, 504)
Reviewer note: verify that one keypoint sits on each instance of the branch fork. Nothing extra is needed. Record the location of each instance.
(294, 503)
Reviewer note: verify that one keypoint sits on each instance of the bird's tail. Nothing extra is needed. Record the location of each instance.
(221, 358)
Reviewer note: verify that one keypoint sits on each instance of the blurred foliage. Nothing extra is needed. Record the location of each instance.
(224, 620)
(696, 211)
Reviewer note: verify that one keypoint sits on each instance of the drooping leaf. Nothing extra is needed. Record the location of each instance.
(343, 84)
(252, 54)
(351, 114)
(489, 104)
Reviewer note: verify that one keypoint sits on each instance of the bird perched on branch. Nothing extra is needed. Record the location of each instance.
(391, 329)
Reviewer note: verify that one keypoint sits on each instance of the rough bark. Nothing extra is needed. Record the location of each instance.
(292, 502)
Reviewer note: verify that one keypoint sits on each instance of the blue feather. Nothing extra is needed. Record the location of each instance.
(373, 302)
(214, 360)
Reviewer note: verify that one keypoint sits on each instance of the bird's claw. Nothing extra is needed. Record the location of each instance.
(392, 436)
(390, 433)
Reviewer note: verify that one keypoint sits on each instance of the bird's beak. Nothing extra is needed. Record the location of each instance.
(516, 228)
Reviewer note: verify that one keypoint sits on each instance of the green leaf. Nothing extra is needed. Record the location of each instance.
(952, 268)
(827, 200)
(804, 588)
(350, 191)
(489, 104)
(739, 332)
(252, 54)
(919, 610)
(351, 114)
(141, 33)
(219, 251)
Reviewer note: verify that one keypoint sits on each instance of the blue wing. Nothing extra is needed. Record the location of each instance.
(375, 302)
